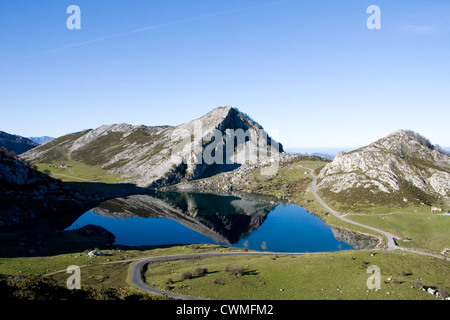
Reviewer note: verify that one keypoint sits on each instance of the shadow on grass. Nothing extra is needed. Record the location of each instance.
(192, 277)
(250, 273)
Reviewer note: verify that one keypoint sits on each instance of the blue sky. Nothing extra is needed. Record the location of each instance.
(311, 70)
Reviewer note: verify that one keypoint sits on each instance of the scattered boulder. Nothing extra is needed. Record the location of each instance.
(95, 253)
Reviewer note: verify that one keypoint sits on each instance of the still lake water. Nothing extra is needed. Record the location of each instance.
(199, 218)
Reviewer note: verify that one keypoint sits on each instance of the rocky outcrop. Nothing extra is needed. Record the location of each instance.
(357, 240)
(220, 141)
(237, 179)
(30, 199)
(401, 163)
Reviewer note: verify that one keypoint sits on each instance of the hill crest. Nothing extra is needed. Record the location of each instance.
(403, 167)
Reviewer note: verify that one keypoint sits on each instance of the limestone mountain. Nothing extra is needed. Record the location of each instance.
(16, 143)
(161, 155)
(401, 169)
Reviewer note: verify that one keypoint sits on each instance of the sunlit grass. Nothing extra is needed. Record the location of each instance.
(329, 276)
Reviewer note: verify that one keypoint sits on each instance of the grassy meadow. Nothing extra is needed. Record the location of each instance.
(331, 276)
(425, 231)
(75, 171)
(328, 276)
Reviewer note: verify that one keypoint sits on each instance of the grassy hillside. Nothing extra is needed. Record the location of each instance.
(75, 171)
(289, 181)
(360, 200)
(414, 230)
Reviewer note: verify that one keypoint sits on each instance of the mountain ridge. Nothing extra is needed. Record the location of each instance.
(159, 155)
(16, 143)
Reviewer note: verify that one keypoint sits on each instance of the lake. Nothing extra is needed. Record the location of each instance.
(256, 222)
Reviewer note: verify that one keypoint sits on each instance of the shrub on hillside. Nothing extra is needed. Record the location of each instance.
(200, 271)
(185, 275)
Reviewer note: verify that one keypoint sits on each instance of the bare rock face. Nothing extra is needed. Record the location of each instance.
(162, 155)
(400, 161)
(355, 239)
(99, 132)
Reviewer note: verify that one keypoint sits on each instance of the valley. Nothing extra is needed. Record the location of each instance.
(382, 192)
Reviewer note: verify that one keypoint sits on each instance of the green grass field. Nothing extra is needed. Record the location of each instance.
(414, 230)
(78, 172)
(340, 275)
(290, 181)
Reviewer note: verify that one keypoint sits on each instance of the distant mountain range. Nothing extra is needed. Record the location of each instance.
(328, 153)
(41, 140)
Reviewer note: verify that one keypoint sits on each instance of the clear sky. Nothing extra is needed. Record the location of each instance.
(310, 69)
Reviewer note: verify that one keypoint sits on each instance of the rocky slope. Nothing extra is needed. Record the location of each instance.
(162, 155)
(16, 143)
(399, 169)
(30, 199)
(245, 178)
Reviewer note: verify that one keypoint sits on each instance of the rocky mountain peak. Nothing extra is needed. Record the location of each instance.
(151, 156)
(407, 142)
(402, 160)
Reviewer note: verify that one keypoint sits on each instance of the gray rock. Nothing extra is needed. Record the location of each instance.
(380, 166)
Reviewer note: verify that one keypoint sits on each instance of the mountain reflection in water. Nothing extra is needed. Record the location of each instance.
(230, 219)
